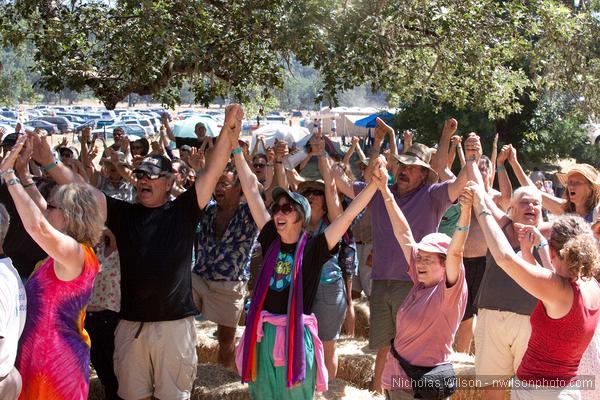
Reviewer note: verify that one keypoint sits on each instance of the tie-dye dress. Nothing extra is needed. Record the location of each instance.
(54, 349)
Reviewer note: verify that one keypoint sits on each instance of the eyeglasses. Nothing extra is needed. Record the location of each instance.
(314, 192)
(50, 206)
(285, 208)
(256, 166)
(142, 174)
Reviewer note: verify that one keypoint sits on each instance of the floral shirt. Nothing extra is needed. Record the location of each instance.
(106, 294)
(227, 258)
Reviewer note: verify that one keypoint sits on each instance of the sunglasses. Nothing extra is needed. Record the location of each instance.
(314, 192)
(259, 165)
(50, 206)
(142, 174)
(285, 208)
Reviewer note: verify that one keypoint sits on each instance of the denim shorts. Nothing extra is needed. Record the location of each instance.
(329, 308)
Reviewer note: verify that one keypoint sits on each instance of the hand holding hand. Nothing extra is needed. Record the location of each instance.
(504, 153)
(382, 129)
(22, 163)
(512, 156)
(473, 147)
(456, 140)
(234, 114)
(281, 150)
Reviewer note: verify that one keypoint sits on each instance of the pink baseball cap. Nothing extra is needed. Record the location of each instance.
(434, 243)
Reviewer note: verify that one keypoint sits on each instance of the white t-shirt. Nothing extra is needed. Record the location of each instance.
(13, 309)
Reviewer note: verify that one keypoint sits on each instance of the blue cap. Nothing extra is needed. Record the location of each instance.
(296, 198)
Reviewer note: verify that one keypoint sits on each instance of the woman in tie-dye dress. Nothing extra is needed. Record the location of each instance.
(54, 355)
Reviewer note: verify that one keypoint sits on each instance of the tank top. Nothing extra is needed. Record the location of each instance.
(556, 345)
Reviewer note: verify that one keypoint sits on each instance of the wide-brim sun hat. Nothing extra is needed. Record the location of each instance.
(317, 184)
(589, 173)
(417, 154)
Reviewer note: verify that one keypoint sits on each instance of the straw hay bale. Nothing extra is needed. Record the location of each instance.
(362, 314)
(217, 382)
(355, 361)
(207, 346)
(339, 389)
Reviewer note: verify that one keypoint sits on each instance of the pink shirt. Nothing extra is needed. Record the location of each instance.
(425, 326)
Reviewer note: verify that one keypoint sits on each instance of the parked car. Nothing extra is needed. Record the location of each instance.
(63, 124)
(130, 130)
(51, 128)
(10, 114)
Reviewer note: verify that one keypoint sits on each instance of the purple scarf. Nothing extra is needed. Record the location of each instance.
(296, 369)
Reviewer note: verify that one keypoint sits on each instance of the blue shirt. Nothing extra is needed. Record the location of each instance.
(227, 258)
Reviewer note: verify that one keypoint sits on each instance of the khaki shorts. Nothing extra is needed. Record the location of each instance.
(386, 298)
(161, 361)
(221, 302)
(501, 338)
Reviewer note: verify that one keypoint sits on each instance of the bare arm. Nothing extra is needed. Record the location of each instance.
(342, 182)
(393, 144)
(400, 225)
(206, 182)
(250, 188)
(168, 130)
(439, 162)
(336, 229)
(503, 180)
(494, 157)
(348, 155)
(456, 248)
(334, 205)
(359, 151)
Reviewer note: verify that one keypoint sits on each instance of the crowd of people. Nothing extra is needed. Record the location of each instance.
(111, 266)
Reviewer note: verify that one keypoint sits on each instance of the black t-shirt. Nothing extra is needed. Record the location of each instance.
(18, 245)
(315, 255)
(155, 250)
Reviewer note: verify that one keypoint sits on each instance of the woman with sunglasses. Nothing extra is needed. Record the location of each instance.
(280, 325)
(54, 349)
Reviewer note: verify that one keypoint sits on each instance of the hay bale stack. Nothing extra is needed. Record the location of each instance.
(355, 361)
(339, 389)
(217, 382)
(362, 314)
(207, 346)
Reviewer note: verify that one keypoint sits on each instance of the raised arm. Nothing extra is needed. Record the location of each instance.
(165, 122)
(22, 170)
(206, 182)
(439, 162)
(393, 144)
(342, 182)
(494, 157)
(517, 169)
(380, 132)
(249, 183)
(402, 230)
(348, 155)
(503, 180)
(334, 205)
(456, 248)
(336, 229)
(407, 139)
(66, 252)
(60, 173)
(539, 282)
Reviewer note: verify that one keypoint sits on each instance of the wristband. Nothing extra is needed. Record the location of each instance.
(278, 162)
(542, 244)
(462, 228)
(28, 185)
(500, 168)
(13, 181)
(485, 211)
(7, 172)
(50, 166)
(237, 150)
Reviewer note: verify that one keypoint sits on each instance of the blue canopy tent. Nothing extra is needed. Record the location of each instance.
(369, 122)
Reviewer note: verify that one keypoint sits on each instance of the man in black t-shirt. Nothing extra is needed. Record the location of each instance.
(155, 354)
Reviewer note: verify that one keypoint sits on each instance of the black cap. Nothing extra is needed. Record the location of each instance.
(155, 165)
(10, 140)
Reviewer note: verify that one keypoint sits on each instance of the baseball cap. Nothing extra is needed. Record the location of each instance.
(154, 165)
(296, 198)
(433, 243)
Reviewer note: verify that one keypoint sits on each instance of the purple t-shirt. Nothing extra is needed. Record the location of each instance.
(423, 209)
